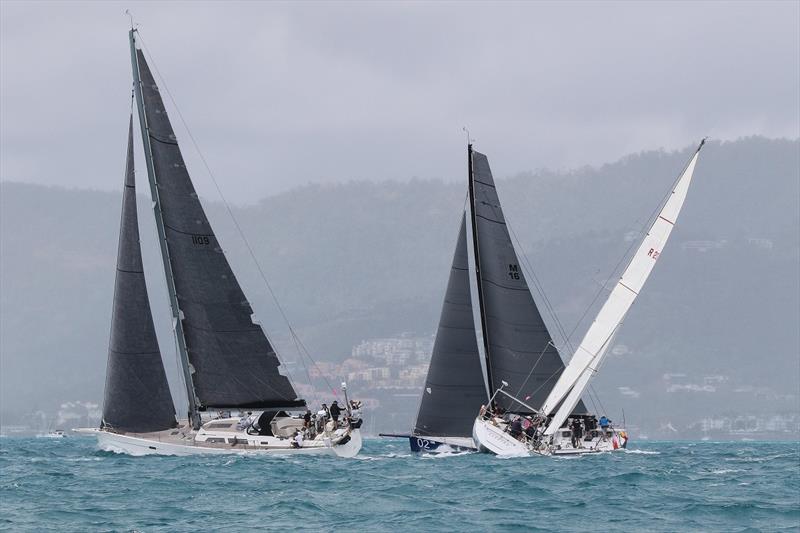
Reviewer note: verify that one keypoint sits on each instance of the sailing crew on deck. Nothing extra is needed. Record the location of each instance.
(322, 417)
(604, 422)
(245, 421)
(577, 433)
(516, 428)
(335, 411)
(307, 419)
(297, 441)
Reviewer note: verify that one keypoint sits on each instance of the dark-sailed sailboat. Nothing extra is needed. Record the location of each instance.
(516, 343)
(228, 363)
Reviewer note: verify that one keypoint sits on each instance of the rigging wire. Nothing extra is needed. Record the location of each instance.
(298, 343)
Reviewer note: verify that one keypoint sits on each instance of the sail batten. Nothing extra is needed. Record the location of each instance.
(230, 362)
(137, 397)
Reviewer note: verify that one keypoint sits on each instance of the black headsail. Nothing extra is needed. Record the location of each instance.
(232, 364)
(519, 347)
(137, 397)
(454, 388)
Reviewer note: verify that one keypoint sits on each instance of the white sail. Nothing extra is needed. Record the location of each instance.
(577, 390)
(589, 355)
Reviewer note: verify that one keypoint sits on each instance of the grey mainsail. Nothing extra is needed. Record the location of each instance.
(454, 388)
(519, 347)
(137, 397)
(232, 363)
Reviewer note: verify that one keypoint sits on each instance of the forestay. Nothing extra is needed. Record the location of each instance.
(137, 397)
(233, 364)
(454, 389)
(595, 343)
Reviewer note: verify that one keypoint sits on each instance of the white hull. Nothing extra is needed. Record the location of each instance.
(491, 437)
(167, 444)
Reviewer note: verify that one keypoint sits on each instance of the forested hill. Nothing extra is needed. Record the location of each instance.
(363, 259)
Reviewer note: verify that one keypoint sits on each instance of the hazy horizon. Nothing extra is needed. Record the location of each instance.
(279, 95)
(548, 173)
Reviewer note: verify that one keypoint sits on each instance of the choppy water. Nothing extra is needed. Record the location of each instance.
(68, 485)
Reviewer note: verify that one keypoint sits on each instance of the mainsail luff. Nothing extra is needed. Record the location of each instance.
(177, 325)
(137, 397)
(594, 345)
(520, 347)
(478, 279)
(454, 388)
(231, 363)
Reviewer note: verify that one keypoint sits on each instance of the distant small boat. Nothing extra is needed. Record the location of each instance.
(55, 434)
(229, 366)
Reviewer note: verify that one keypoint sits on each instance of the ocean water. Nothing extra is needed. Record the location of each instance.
(69, 485)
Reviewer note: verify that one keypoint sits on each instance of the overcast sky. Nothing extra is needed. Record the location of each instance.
(279, 95)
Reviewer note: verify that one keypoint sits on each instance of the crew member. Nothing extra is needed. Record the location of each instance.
(297, 442)
(516, 428)
(577, 433)
(335, 411)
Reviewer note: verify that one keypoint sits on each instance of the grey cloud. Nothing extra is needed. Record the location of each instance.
(281, 94)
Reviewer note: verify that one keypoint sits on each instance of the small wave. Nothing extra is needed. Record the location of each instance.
(82, 459)
(393, 455)
(643, 452)
(725, 471)
(445, 454)
(377, 458)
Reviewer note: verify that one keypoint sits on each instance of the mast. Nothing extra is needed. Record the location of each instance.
(477, 260)
(194, 415)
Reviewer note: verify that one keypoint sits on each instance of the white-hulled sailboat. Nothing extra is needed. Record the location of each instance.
(229, 365)
(490, 332)
(550, 435)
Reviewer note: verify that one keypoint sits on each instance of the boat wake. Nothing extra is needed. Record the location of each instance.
(643, 452)
(446, 453)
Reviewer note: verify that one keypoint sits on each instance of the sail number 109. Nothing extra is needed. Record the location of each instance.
(200, 240)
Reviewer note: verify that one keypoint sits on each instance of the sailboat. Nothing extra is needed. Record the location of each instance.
(228, 364)
(492, 431)
(490, 330)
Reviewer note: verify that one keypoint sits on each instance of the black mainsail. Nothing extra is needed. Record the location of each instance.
(519, 347)
(137, 397)
(454, 387)
(230, 363)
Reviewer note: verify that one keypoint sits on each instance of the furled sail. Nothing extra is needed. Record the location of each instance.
(232, 362)
(455, 388)
(520, 348)
(594, 346)
(137, 397)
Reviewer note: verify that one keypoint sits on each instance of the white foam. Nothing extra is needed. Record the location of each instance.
(643, 452)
